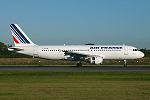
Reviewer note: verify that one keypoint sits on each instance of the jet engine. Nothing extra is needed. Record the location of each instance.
(68, 57)
(96, 60)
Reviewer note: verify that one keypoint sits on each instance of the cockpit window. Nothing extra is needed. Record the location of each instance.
(135, 50)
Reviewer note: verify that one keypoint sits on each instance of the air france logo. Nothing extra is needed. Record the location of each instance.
(94, 47)
(111, 47)
(105, 47)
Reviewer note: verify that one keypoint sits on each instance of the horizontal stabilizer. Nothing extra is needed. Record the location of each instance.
(15, 49)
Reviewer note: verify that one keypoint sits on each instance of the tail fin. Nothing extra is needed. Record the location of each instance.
(19, 37)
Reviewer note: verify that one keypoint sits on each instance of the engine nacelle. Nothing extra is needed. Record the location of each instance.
(96, 60)
(69, 57)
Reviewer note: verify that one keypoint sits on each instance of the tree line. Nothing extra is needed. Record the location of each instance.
(4, 53)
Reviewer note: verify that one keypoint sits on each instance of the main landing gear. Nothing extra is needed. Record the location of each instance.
(79, 64)
(125, 63)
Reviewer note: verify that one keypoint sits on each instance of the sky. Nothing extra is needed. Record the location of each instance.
(77, 22)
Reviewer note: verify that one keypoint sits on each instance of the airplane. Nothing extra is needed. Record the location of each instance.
(94, 54)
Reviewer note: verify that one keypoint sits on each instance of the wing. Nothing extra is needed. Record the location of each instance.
(78, 55)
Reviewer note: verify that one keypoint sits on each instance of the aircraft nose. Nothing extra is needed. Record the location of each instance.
(142, 54)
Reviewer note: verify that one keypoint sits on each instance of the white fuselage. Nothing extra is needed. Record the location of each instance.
(91, 53)
(105, 51)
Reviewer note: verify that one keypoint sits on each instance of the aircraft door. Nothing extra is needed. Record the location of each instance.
(125, 50)
(35, 52)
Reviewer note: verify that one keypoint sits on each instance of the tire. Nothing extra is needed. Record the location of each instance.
(79, 64)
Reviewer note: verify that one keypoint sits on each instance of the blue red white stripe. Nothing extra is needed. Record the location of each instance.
(18, 36)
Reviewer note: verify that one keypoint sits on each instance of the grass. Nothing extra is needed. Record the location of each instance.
(41, 62)
(75, 85)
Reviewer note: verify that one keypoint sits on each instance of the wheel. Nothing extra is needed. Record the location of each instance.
(125, 65)
(79, 64)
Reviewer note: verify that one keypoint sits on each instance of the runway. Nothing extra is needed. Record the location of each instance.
(74, 68)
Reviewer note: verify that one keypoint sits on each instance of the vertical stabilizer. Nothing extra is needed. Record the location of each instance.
(19, 37)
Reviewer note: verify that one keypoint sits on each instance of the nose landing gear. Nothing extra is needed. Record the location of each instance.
(125, 63)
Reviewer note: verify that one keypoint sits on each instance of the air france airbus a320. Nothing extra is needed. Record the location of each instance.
(95, 54)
